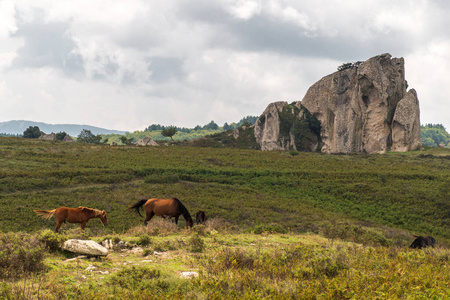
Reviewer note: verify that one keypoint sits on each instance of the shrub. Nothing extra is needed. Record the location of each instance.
(132, 278)
(270, 228)
(20, 253)
(196, 243)
(156, 227)
(144, 240)
(354, 233)
(52, 240)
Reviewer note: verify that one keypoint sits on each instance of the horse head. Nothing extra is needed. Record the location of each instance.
(189, 222)
(103, 218)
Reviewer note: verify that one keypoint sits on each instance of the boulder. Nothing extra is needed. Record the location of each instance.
(84, 247)
(188, 274)
(146, 141)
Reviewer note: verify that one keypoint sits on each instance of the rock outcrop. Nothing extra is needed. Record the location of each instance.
(287, 127)
(84, 247)
(146, 141)
(48, 137)
(406, 124)
(362, 108)
(68, 139)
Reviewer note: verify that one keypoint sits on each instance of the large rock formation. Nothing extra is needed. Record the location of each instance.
(287, 127)
(363, 107)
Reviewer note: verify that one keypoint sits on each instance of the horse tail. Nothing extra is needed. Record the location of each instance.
(184, 211)
(46, 214)
(137, 205)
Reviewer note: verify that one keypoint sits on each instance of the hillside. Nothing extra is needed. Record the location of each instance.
(281, 224)
(248, 188)
(18, 127)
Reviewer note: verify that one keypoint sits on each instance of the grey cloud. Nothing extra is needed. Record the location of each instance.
(46, 45)
(165, 68)
(263, 33)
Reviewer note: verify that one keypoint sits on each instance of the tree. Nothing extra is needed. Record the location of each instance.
(32, 132)
(169, 132)
(227, 127)
(126, 141)
(434, 134)
(61, 135)
(247, 119)
(86, 136)
(211, 126)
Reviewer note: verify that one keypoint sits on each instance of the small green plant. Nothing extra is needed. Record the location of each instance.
(144, 240)
(196, 243)
(270, 228)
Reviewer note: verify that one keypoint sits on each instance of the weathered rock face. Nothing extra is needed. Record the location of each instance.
(356, 106)
(267, 127)
(86, 247)
(363, 108)
(287, 127)
(406, 124)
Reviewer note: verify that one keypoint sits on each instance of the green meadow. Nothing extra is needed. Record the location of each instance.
(282, 225)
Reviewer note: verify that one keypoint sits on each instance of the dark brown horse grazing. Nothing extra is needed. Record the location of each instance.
(166, 208)
(200, 217)
(422, 242)
(73, 215)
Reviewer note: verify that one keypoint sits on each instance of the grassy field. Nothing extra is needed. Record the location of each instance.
(283, 224)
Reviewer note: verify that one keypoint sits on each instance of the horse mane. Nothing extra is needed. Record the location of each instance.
(97, 212)
(183, 210)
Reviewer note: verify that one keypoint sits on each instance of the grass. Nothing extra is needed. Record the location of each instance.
(281, 225)
(241, 265)
(248, 188)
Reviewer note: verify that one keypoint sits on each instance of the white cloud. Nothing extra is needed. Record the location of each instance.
(127, 64)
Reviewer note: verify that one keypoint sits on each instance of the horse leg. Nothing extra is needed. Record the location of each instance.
(58, 225)
(83, 224)
(176, 220)
(148, 217)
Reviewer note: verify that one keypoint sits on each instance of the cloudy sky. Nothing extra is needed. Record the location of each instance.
(127, 64)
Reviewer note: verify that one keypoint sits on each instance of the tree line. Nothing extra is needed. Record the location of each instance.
(210, 126)
(86, 136)
(434, 135)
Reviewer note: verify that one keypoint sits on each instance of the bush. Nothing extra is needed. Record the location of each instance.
(52, 240)
(156, 227)
(144, 240)
(20, 253)
(196, 243)
(270, 228)
(133, 278)
(354, 233)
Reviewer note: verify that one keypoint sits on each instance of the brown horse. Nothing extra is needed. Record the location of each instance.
(73, 215)
(200, 217)
(166, 208)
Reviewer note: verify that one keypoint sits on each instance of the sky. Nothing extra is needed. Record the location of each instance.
(125, 65)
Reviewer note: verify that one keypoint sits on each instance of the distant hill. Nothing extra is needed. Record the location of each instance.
(18, 127)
